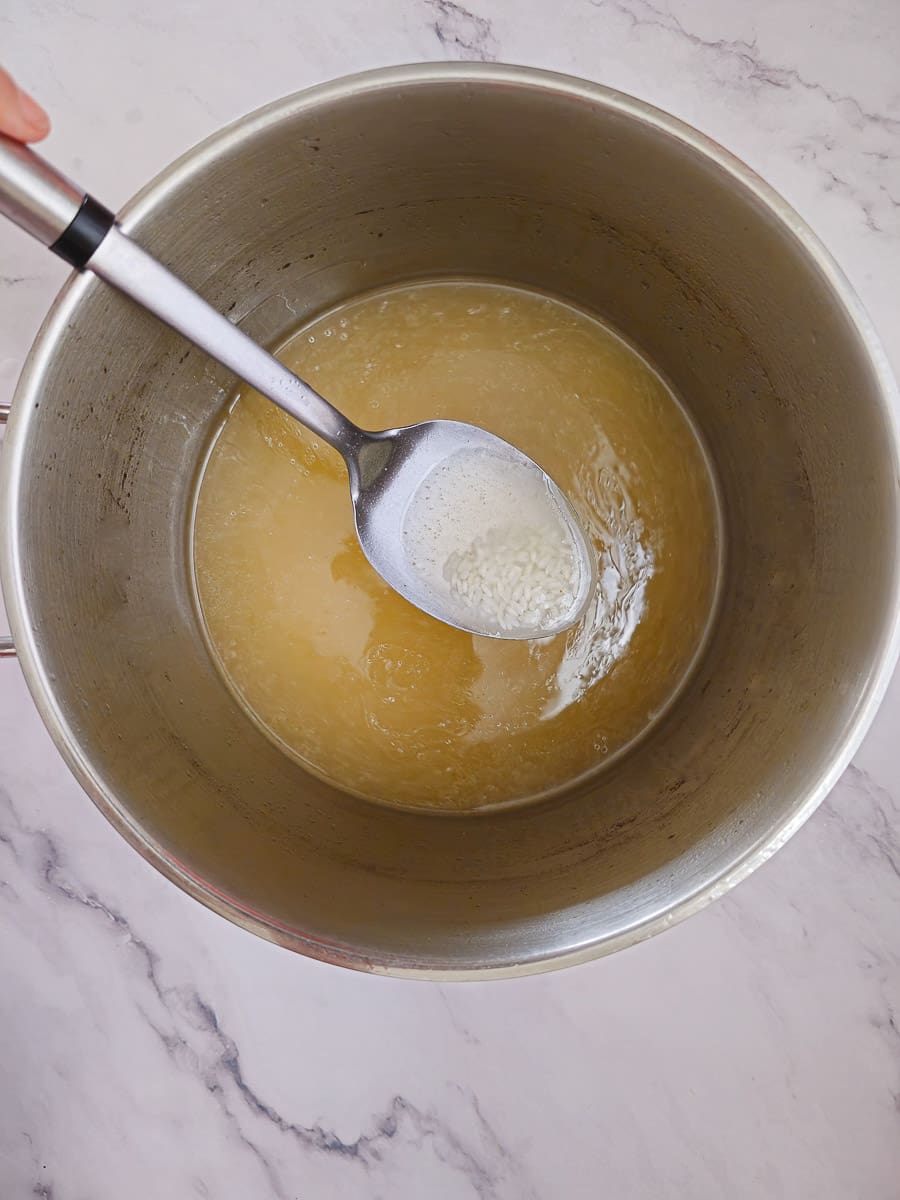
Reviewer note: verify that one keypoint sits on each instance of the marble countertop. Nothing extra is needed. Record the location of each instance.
(149, 1049)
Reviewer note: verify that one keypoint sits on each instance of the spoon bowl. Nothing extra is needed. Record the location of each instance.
(387, 473)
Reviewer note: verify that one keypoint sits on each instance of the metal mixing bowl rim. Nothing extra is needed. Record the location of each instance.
(12, 466)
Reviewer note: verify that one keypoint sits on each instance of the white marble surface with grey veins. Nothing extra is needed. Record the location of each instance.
(149, 1049)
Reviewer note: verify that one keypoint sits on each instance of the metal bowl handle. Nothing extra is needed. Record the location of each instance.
(7, 649)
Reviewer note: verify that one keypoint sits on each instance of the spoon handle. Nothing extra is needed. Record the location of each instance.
(73, 225)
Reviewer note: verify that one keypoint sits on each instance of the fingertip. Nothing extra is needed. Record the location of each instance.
(39, 130)
(35, 120)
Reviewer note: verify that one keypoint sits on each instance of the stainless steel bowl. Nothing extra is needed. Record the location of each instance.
(511, 174)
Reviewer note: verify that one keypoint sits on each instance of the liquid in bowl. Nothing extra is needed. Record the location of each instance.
(370, 693)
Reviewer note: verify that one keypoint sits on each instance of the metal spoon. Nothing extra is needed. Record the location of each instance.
(386, 468)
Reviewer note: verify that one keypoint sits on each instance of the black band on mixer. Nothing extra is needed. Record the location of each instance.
(91, 225)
